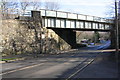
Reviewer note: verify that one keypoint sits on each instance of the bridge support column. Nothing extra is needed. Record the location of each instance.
(72, 38)
(96, 37)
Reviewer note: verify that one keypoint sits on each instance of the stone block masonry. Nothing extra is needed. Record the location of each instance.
(19, 36)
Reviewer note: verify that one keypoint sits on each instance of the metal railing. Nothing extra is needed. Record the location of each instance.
(61, 14)
(69, 15)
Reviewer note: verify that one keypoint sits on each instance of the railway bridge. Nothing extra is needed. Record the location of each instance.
(65, 24)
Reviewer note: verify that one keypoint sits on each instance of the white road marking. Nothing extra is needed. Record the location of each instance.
(80, 69)
(21, 69)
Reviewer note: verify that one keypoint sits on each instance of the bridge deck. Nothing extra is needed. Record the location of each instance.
(58, 19)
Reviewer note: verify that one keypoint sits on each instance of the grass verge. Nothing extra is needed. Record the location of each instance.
(8, 59)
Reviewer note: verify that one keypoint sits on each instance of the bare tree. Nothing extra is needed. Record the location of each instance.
(26, 5)
(8, 8)
(110, 12)
(36, 5)
(52, 5)
(23, 6)
(111, 9)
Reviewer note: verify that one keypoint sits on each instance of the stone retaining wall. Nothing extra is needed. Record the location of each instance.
(19, 37)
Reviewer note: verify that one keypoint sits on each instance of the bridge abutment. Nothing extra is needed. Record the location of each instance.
(68, 36)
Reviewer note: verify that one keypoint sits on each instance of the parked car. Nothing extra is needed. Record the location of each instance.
(84, 42)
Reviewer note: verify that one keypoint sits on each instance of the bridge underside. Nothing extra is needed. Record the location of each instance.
(68, 36)
(79, 29)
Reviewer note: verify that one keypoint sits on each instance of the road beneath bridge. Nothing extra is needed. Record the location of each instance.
(70, 65)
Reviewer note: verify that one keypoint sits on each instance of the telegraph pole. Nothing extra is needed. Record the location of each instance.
(117, 30)
(117, 36)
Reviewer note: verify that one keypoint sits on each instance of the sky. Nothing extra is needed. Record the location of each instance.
(88, 7)
(97, 8)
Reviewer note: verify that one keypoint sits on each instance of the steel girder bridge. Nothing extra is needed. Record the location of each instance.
(67, 20)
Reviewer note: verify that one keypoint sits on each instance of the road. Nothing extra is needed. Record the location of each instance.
(66, 65)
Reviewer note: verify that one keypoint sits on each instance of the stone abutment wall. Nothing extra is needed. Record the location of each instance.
(19, 36)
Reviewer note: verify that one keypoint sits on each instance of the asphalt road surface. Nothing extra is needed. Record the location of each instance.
(74, 64)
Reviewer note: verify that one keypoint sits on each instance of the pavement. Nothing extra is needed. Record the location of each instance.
(102, 67)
